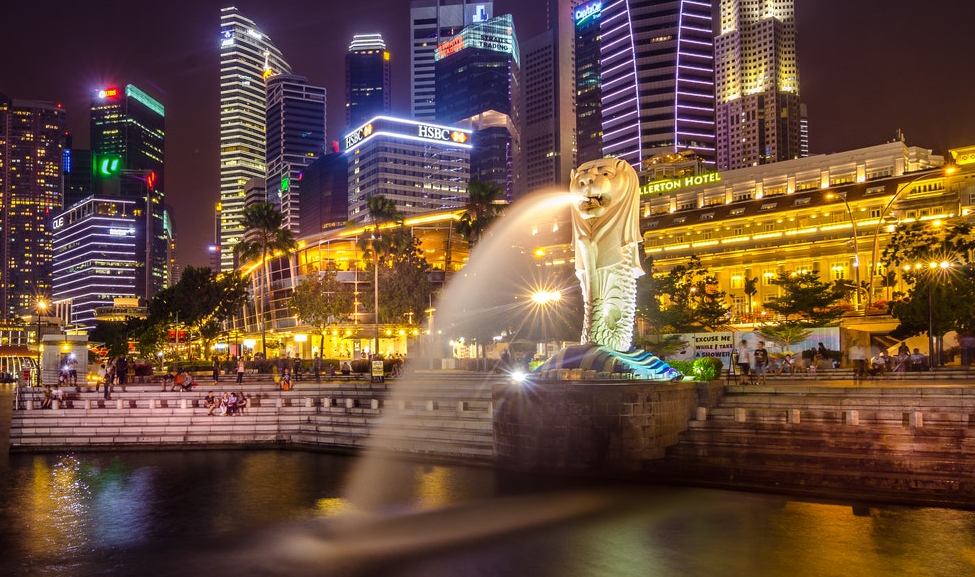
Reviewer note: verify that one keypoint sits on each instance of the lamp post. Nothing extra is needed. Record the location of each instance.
(948, 170)
(41, 307)
(375, 292)
(934, 357)
(856, 244)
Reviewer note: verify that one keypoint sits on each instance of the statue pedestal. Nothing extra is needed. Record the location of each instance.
(611, 428)
(592, 362)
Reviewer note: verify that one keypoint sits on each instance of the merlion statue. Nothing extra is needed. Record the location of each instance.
(606, 235)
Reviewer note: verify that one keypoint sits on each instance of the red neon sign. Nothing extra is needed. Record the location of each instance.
(151, 180)
(111, 92)
(450, 46)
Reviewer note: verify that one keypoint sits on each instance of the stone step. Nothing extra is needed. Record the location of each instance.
(811, 461)
(866, 417)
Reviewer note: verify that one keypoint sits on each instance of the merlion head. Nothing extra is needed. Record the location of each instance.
(608, 185)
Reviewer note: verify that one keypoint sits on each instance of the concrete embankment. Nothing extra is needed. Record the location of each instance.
(888, 443)
(443, 418)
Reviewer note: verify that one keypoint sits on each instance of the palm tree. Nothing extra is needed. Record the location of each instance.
(751, 289)
(375, 243)
(263, 237)
(481, 209)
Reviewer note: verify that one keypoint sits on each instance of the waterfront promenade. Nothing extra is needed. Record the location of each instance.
(904, 440)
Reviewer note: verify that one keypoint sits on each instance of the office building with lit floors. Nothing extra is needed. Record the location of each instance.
(247, 55)
(657, 78)
(419, 166)
(295, 134)
(431, 23)
(588, 84)
(367, 86)
(324, 194)
(99, 256)
(759, 118)
(31, 158)
(128, 125)
(548, 132)
(478, 87)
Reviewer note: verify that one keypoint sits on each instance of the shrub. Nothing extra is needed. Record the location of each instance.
(702, 369)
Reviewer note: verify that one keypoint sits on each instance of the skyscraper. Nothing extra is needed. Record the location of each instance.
(295, 137)
(31, 156)
(324, 194)
(478, 87)
(588, 84)
(431, 173)
(367, 91)
(246, 55)
(432, 22)
(549, 127)
(657, 78)
(129, 124)
(76, 170)
(757, 84)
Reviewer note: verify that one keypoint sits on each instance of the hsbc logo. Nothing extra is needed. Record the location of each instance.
(433, 132)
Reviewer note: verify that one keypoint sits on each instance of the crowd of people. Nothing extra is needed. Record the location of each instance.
(232, 404)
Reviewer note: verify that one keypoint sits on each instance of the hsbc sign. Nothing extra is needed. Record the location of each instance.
(407, 129)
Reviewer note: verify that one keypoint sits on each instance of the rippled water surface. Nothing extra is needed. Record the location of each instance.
(282, 513)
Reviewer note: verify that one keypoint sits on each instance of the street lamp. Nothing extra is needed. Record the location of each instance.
(856, 243)
(948, 170)
(41, 307)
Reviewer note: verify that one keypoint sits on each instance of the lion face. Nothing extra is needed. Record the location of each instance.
(603, 183)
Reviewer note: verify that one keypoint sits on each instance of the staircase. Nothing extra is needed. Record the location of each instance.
(865, 442)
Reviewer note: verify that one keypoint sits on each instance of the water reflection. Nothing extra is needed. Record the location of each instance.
(149, 514)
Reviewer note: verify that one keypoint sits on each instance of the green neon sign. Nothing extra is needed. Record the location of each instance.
(285, 183)
(107, 165)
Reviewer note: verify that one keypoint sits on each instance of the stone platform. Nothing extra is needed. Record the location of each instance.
(592, 427)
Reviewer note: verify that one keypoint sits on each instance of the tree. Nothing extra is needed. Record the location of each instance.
(785, 334)
(149, 336)
(686, 299)
(806, 301)
(201, 300)
(321, 300)
(481, 210)
(264, 236)
(751, 289)
(938, 270)
(113, 334)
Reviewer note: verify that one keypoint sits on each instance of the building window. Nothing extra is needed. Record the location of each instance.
(740, 211)
(876, 190)
(737, 281)
(801, 201)
(707, 216)
(769, 205)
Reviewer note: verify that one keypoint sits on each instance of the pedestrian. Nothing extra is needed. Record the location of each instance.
(760, 360)
(505, 360)
(903, 349)
(286, 380)
(821, 349)
(744, 358)
(858, 358)
(216, 368)
(123, 369)
(241, 367)
(73, 369)
(109, 378)
(316, 365)
(102, 373)
(297, 369)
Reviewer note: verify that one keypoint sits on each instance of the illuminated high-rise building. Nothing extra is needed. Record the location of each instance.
(479, 87)
(295, 133)
(31, 158)
(128, 124)
(246, 56)
(367, 88)
(657, 78)
(759, 116)
(431, 23)
(431, 172)
(548, 132)
(586, 17)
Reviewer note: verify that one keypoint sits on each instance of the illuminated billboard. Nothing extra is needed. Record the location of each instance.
(409, 130)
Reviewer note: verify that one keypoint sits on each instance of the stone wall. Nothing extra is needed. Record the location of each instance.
(592, 427)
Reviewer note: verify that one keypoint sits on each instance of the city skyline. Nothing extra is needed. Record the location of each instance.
(849, 105)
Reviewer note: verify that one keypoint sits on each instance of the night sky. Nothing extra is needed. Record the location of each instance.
(867, 67)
